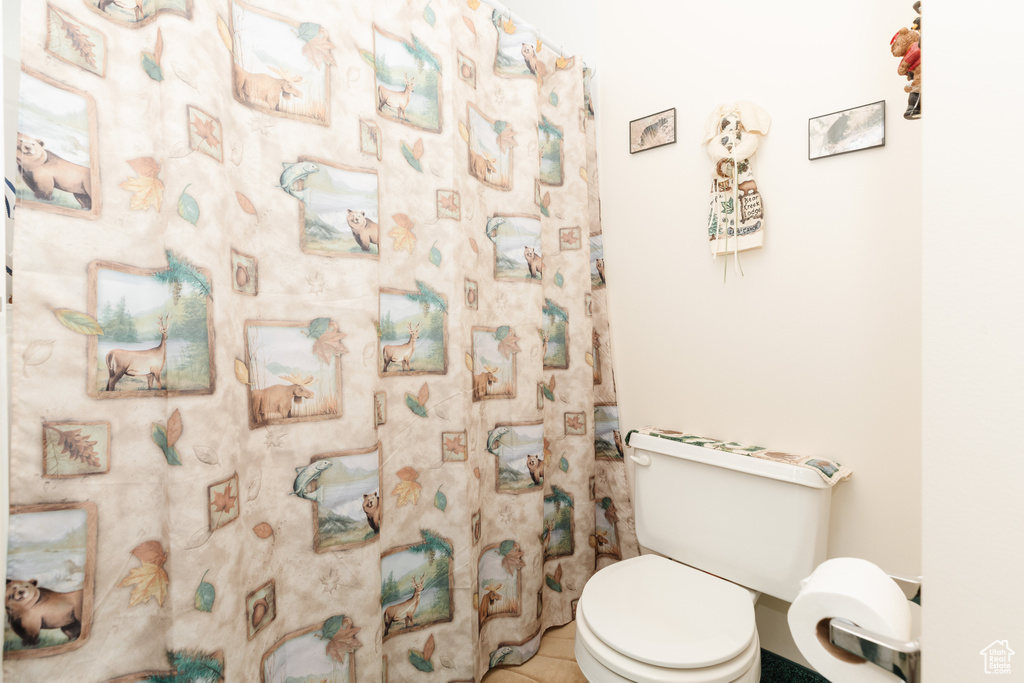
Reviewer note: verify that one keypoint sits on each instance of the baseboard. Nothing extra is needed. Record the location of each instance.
(776, 669)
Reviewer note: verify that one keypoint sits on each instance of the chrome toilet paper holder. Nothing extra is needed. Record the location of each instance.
(902, 658)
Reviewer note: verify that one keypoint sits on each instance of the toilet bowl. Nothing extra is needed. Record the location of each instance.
(652, 620)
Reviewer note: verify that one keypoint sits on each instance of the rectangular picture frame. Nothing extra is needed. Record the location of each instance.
(528, 475)
(28, 559)
(75, 448)
(101, 271)
(653, 130)
(499, 593)
(315, 102)
(439, 592)
(407, 56)
(346, 244)
(60, 27)
(485, 389)
(507, 232)
(68, 116)
(260, 608)
(293, 651)
(327, 521)
(486, 161)
(223, 508)
(402, 323)
(846, 130)
(327, 408)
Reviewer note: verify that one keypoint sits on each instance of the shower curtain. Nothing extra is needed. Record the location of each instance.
(312, 374)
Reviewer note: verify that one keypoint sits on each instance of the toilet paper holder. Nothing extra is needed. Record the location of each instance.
(902, 658)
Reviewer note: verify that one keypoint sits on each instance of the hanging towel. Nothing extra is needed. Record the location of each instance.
(736, 217)
(830, 470)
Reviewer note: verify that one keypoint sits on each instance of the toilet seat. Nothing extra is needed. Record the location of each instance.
(667, 614)
(652, 619)
(601, 664)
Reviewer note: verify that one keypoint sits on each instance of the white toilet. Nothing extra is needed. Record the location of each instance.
(741, 525)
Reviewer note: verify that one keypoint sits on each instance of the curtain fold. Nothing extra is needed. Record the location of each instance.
(312, 373)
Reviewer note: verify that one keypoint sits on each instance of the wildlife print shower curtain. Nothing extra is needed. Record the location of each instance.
(312, 375)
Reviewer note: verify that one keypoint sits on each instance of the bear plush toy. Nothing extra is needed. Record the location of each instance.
(906, 44)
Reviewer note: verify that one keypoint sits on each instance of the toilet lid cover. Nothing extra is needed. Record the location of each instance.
(668, 614)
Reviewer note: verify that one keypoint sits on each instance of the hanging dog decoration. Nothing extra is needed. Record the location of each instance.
(906, 45)
(736, 216)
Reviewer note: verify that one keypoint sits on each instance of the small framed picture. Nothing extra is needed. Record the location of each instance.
(652, 131)
(449, 205)
(74, 42)
(205, 133)
(223, 497)
(849, 130)
(569, 239)
(472, 294)
(369, 138)
(244, 273)
(467, 69)
(380, 408)
(575, 424)
(73, 449)
(454, 446)
(260, 608)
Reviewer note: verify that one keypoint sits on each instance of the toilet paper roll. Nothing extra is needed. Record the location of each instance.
(855, 590)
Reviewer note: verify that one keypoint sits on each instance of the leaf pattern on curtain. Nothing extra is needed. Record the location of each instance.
(353, 251)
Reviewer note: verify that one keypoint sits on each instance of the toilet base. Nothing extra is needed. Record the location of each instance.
(605, 665)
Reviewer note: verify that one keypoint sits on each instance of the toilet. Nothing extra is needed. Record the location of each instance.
(716, 530)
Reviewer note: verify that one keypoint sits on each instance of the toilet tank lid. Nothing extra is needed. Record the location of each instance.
(718, 458)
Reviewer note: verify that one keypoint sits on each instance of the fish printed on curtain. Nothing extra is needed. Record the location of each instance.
(312, 374)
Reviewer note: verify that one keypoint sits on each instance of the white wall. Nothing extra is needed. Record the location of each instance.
(973, 326)
(817, 349)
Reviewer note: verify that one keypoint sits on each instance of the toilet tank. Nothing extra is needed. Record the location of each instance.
(758, 523)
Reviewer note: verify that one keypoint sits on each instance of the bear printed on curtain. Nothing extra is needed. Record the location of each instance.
(312, 376)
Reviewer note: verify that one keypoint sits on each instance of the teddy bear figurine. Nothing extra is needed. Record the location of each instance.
(906, 44)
